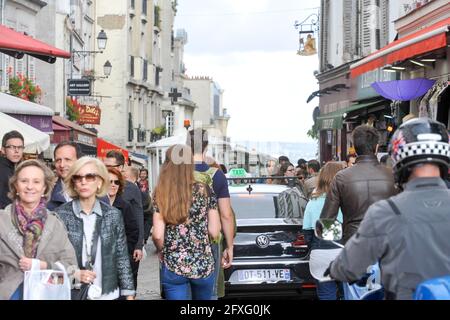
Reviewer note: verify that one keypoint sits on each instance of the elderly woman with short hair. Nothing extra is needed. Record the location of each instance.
(30, 235)
(96, 231)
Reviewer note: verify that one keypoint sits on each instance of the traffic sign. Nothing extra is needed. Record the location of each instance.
(78, 87)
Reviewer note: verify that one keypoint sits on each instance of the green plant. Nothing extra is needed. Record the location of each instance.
(24, 88)
(72, 109)
(160, 131)
(314, 131)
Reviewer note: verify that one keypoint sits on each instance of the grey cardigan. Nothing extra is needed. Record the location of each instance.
(116, 269)
(53, 247)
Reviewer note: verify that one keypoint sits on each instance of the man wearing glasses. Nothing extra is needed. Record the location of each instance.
(12, 150)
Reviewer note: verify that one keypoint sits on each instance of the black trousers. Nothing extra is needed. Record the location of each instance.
(134, 270)
(148, 223)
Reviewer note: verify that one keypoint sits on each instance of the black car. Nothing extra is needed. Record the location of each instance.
(270, 252)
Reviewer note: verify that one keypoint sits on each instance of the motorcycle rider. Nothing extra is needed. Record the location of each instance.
(407, 233)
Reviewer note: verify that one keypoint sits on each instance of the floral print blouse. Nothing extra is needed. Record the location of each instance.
(187, 249)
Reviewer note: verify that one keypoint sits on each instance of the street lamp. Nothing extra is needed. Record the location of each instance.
(101, 43)
(107, 67)
(101, 40)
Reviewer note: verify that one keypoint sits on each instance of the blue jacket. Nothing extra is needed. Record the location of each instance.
(116, 269)
(57, 197)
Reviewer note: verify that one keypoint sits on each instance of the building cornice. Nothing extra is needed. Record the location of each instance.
(39, 3)
(335, 72)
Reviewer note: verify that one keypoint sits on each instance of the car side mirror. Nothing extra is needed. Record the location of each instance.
(328, 229)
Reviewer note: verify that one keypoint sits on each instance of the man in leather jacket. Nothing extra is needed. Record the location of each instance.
(356, 188)
(408, 233)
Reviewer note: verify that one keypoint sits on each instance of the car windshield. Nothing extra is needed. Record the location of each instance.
(254, 206)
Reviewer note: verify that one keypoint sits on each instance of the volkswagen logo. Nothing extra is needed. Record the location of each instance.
(262, 241)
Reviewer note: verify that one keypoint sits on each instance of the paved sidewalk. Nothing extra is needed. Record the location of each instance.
(148, 277)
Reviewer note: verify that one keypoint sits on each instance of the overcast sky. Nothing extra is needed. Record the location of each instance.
(249, 48)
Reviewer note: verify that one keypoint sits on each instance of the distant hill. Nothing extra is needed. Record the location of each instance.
(293, 151)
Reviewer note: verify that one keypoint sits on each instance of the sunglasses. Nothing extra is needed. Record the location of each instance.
(90, 177)
(116, 182)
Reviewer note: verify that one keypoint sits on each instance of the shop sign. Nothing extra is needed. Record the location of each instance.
(85, 139)
(78, 87)
(88, 114)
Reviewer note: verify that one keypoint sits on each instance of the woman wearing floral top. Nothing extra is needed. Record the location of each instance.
(185, 216)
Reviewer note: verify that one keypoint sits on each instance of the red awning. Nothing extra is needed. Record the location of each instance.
(103, 147)
(58, 127)
(13, 41)
(426, 40)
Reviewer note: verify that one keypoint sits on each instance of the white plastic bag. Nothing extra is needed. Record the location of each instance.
(46, 284)
(371, 289)
(319, 261)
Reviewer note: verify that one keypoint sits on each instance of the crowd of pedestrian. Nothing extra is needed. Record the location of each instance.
(87, 215)
(94, 216)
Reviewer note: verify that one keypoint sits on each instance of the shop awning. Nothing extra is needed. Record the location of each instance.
(103, 147)
(57, 127)
(335, 120)
(86, 139)
(426, 40)
(35, 141)
(33, 114)
(139, 158)
(15, 44)
(67, 123)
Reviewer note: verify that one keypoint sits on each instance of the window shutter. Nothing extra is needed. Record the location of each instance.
(325, 5)
(370, 30)
(349, 18)
(19, 68)
(32, 68)
(384, 23)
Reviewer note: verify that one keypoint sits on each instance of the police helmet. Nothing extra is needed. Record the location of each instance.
(416, 142)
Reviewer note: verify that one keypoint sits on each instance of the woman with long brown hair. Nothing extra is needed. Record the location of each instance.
(184, 218)
(325, 290)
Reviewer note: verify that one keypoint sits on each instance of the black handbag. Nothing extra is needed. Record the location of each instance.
(82, 293)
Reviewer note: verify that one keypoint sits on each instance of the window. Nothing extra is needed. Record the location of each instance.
(130, 127)
(158, 71)
(145, 71)
(144, 7)
(170, 124)
(157, 22)
(141, 134)
(132, 5)
(131, 66)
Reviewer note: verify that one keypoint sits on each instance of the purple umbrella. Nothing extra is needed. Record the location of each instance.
(403, 90)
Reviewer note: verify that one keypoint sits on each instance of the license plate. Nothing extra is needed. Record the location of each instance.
(264, 275)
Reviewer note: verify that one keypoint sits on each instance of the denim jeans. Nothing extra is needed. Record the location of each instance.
(327, 290)
(177, 287)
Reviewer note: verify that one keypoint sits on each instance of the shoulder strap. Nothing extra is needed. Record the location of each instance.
(95, 237)
(394, 207)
